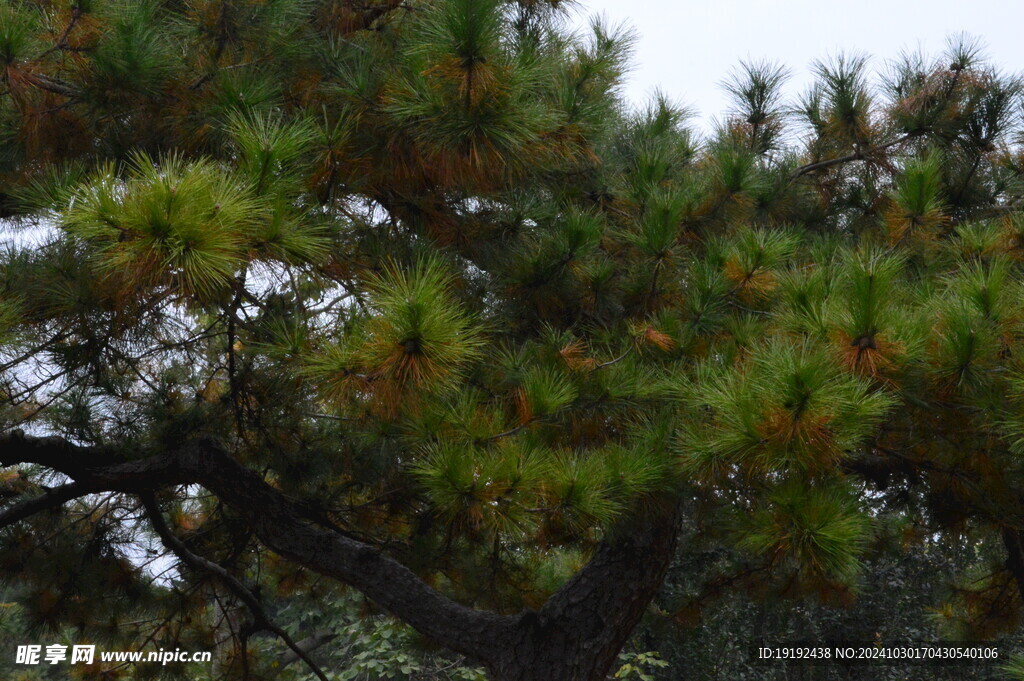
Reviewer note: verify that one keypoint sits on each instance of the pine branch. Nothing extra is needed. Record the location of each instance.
(50, 499)
(714, 588)
(53, 85)
(521, 426)
(62, 41)
(280, 522)
(261, 619)
(611, 362)
(856, 156)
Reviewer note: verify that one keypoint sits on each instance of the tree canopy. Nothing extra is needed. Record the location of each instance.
(302, 298)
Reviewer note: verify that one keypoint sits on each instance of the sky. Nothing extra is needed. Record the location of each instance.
(686, 48)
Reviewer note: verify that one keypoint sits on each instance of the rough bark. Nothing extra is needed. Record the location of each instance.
(575, 636)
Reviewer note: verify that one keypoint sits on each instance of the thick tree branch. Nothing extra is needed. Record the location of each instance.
(282, 524)
(50, 499)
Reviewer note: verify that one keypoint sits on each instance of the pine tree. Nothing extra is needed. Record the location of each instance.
(401, 297)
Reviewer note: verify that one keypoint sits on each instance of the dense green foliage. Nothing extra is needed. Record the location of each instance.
(419, 266)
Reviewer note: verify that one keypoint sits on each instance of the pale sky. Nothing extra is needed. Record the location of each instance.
(686, 48)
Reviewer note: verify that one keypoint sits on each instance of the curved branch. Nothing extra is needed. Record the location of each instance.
(856, 156)
(50, 499)
(283, 524)
(581, 626)
(579, 631)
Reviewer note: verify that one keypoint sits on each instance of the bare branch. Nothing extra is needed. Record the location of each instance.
(197, 562)
(856, 156)
(53, 85)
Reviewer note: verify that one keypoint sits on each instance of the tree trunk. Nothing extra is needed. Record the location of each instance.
(578, 633)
